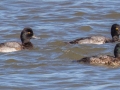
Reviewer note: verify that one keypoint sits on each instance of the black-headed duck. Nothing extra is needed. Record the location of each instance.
(25, 37)
(115, 32)
(104, 59)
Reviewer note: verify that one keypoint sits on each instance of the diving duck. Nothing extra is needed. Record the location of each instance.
(104, 59)
(11, 46)
(115, 32)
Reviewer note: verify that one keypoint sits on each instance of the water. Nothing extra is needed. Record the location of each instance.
(49, 65)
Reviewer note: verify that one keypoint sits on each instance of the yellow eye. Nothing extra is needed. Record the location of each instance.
(116, 28)
(28, 32)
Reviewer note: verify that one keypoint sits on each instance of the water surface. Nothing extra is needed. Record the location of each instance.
(49, 65)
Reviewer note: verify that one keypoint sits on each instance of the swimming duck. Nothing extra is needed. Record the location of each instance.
(115, 32)
(25, 36)
(104, 59)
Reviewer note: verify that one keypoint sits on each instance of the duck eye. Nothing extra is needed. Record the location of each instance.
(28, 32)
(117, 29)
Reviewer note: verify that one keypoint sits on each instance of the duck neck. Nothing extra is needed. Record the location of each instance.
(115, 38)
(117, 51)
(27, 45)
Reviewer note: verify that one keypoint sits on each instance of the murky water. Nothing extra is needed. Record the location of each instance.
(49, 65)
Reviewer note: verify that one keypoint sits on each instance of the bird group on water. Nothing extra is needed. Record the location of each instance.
(27, 34)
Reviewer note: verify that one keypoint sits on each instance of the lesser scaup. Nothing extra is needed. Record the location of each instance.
(104, 59)
(25, 36)
(115, 32)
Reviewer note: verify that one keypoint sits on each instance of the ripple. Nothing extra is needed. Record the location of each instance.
(113, 15)
(57, 22)
(11, 61)
(86, 28)
(79, 14)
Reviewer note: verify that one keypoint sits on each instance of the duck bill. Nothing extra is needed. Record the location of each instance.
(35, 37)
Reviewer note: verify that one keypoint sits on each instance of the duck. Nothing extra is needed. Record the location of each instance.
(25, 36)
(115, 32)
(107, 60)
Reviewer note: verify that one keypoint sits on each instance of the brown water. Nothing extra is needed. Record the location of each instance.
(49, 65)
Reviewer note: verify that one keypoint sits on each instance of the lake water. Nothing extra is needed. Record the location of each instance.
(49, 65)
